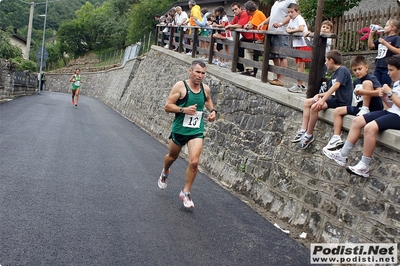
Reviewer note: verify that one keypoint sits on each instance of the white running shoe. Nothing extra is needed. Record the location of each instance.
(162, 180)
(295, 88)
(359, 169)
(334, 144)
(166, 46)
(186, 199)
(336, 156)
(363, 110)
(215, 61)
(223, 64)
(189, 53)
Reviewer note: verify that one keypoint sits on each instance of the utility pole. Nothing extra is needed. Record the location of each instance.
(42, 52)
(28, 39)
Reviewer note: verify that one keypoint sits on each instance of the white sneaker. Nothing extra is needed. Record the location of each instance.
(363, 110)
(186, 199)
(336, 156)
(166, 46)
(359, 169)
(223, 64)
(334, 144)
(189, 53)
(162, 180)
(296, 88)
(215, 61)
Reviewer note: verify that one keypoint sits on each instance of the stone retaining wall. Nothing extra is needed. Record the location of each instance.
(8, 88)
(248, 148)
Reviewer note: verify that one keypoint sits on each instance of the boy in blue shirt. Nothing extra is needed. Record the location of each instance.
(365, 95)
(340, 83)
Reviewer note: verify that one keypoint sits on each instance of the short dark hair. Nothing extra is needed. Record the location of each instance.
(198, 62)
(335, 55)
(235, 4)
(250, 6)
(358, 60)
(394, 61)
(294, 6)
(204, 10)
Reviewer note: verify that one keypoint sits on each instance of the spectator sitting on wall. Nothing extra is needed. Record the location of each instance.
(372, 123)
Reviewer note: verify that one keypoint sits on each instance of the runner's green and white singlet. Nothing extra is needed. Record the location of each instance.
(185, 124)
(77, 83)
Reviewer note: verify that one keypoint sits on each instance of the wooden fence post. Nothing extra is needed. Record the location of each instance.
(315, 76)
(265, 63)
(235, 54)
(194, 42)
(211, 50)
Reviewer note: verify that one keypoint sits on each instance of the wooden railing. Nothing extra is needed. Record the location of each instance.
(314, 79)
(347, 27)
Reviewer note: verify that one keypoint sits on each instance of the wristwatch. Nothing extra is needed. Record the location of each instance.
(389, 94)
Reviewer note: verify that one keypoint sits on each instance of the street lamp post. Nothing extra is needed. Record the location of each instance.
(42, 52)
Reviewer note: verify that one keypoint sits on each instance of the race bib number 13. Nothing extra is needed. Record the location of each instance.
(193, 121)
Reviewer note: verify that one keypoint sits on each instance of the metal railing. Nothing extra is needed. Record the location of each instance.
(177, 37)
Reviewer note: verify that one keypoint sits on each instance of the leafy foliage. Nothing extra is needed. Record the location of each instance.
(15, 14)
(332, 8)
(21, 64)
(14, 53)
(142, 18)
(7, 50)
(95, 28)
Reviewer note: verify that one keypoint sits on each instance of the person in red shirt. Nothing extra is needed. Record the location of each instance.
(239, 21)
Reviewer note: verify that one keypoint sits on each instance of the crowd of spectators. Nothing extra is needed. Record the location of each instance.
(376, 97)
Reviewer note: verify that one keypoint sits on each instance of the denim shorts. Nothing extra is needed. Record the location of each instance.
(280, 41)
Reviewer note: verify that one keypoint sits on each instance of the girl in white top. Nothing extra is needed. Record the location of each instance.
(222, 22)
(372, 123)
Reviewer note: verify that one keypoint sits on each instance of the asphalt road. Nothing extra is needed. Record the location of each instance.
(78, 186)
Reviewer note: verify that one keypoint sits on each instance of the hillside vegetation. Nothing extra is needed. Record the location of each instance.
(75, 27)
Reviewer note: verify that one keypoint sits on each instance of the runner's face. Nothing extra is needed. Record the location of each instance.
(197, 74)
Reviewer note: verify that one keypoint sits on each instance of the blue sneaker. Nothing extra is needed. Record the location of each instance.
(305, 141)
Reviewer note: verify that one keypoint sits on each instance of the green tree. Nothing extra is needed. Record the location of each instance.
(94, 29)
(7, 50)
(14, 53)
(332, 8)
(142, 18)
(15, 14)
